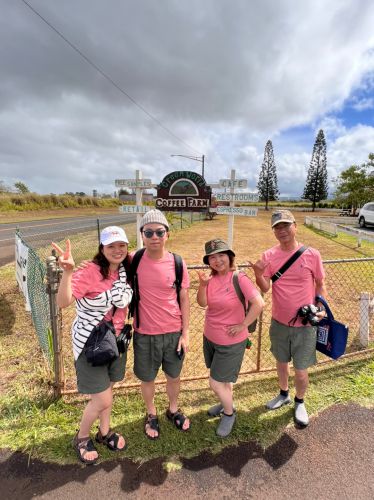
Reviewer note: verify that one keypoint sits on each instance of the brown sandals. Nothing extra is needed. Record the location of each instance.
(82, 446)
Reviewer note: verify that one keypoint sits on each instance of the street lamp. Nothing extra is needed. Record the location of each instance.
(195, 158)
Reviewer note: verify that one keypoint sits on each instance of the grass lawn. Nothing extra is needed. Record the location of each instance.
(32, 422)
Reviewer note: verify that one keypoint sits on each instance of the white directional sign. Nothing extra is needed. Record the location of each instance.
(134, 209)
(236, 183)
(134, 183)
(244, 211)
(237, 197)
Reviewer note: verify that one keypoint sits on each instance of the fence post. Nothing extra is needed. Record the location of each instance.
(364, 319)
(53, 278)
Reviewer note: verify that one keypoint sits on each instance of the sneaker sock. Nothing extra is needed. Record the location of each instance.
(231, 414)
(298, 400)
(284, 393)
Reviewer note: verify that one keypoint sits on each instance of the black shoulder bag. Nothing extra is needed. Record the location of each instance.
(101, 346)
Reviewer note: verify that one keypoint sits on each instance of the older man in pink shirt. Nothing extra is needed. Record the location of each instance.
(296, 287)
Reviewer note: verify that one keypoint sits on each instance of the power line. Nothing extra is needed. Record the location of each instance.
(107, 77)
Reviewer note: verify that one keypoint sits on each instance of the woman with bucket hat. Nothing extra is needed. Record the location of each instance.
(226, 326)
(101, 292)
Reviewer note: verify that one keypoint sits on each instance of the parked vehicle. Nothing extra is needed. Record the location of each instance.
(366, 214)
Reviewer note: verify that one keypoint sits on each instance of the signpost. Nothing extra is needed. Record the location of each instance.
(135, 209)
(134, 183)
(139, 184)
(233, 183)
(236, 197)
(244, 211)
(232, 197)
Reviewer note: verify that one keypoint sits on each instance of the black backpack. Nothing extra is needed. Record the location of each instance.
(133, 278)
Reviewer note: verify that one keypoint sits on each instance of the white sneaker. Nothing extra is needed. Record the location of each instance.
(277, 402)
(301, 415)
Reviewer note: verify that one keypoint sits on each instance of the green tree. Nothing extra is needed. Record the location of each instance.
(355, 185)
(21, 187)
(316, 188)
(267, 182)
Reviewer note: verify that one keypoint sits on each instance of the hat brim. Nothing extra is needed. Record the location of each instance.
(288, 221)
(206, 257)
(115, 240)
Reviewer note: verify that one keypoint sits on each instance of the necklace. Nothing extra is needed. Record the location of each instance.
(224, 281)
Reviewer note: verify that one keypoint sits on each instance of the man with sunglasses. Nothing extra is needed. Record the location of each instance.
(291, 289)
(161, 334)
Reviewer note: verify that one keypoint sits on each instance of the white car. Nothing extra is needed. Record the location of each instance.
(366, 214)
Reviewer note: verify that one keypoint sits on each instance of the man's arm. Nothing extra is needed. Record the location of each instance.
(320, 289)
(262, 282)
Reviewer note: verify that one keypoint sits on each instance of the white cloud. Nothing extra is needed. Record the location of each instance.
(222, 76)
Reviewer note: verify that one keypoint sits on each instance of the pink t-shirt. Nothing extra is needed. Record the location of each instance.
(296, 287)
(158, 307)
(89, 282)
(225, 309)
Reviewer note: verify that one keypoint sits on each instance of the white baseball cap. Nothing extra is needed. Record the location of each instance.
(111, 234)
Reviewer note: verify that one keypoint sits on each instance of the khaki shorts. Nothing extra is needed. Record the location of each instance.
(95, 379)
(152, 351)
(224, 361)
(296, 343)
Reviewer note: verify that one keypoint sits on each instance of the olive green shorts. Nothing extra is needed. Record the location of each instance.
(152, 351)
(296, 343)
(94, 379)
(224, 361)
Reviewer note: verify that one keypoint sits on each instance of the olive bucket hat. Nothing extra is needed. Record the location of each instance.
(216, 246)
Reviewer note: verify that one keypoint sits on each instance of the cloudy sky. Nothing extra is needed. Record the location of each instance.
(190, 77)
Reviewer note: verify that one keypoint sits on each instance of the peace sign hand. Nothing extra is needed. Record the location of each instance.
(65, 259)
(203, 278)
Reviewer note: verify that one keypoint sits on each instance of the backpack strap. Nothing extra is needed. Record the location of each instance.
(238, 290)
(178, 263)
(239, 293)
(288, 264)
(134, 305)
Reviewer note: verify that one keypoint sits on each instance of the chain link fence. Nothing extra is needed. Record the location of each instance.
(349, 284)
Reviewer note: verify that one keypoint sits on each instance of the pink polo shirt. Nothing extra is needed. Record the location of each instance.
(225, 309)
(158, 307)
(89, 282)
(296, 287)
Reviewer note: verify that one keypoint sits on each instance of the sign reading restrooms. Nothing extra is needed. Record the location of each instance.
(183, 191)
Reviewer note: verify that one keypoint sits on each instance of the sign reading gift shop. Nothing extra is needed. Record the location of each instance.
(183, 191)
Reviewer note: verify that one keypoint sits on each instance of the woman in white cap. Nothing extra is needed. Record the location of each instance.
(101, 292)
(226, 326)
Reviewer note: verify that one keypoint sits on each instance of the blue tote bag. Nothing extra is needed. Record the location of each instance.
(332, 335)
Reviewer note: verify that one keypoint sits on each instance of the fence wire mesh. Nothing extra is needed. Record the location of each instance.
(346, 281)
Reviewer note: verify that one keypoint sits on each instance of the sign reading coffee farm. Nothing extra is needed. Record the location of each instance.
(183, 191)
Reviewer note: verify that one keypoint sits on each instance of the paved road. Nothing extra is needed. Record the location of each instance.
(331, 459)
(42, 231)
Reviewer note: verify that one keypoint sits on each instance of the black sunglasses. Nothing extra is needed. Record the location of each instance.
(148, 233)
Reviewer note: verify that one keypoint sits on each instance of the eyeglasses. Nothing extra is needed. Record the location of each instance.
(160, 233)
